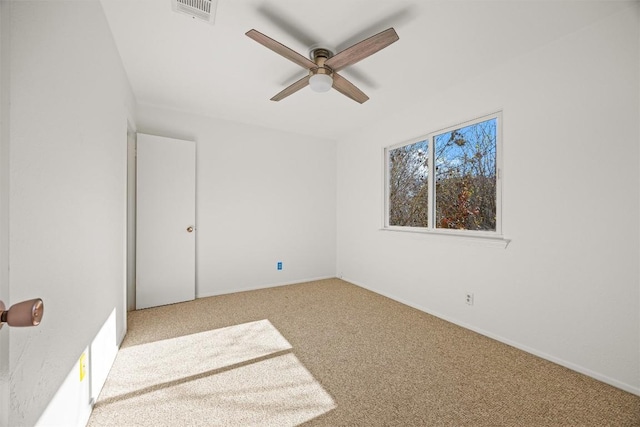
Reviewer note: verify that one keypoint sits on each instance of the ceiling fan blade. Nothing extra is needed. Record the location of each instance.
(347, 88)
(292, 88)
(361, 50)
(281, 49)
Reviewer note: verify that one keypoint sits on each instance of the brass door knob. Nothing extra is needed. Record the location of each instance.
(190, 229)
(25, 313)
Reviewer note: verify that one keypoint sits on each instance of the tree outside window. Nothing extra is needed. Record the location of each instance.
(447, 181)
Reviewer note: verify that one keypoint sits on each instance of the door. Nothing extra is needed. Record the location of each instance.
(165, 221)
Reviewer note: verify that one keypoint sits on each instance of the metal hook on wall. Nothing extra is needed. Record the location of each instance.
(25, 313)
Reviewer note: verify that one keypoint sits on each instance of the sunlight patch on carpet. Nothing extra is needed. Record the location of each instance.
(240, 375)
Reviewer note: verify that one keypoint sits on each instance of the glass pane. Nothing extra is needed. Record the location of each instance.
(465, 163)
(408, 185)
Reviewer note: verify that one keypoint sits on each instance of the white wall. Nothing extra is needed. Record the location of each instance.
(72, 403)
(4, 208)
(567, 286)
(262, 196)
(70, 102)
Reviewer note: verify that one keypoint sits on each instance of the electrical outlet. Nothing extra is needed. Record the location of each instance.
(279, 265)
(469, 298)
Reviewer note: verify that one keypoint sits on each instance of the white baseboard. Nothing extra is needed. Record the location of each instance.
(262, 286)
(574, 367)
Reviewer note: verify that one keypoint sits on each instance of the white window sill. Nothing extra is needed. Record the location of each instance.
(497, 241)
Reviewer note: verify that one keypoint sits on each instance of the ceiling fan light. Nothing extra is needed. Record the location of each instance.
(320, 82)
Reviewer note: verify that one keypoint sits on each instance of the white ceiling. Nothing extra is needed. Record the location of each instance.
(185, 64)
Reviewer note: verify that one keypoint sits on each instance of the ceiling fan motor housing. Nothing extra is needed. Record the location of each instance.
(319, 56)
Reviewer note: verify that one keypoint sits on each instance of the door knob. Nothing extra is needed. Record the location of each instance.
(25, 313)
(189, 229)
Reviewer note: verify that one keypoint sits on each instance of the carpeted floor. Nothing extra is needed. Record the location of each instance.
(329, 353)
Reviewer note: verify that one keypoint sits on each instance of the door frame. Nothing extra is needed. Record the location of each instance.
(5, 32)
(130, 291)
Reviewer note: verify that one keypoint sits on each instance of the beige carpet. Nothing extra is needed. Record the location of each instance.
(329, 353)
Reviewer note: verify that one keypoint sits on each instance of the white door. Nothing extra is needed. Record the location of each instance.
(165, 221)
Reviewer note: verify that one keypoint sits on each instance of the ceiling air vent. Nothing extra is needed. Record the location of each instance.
(201, 9)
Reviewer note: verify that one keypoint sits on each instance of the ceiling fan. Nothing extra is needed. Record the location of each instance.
(324, 65)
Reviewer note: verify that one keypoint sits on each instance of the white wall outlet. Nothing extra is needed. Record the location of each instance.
(469, 298)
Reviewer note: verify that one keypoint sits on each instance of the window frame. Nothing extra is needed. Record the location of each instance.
(431, 228)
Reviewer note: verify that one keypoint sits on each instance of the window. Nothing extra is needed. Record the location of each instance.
(447, 181)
